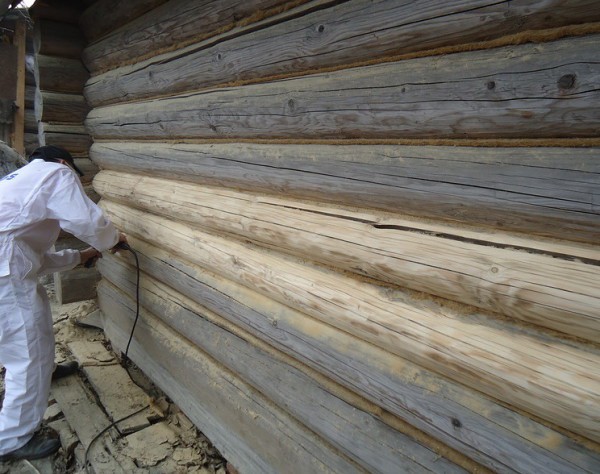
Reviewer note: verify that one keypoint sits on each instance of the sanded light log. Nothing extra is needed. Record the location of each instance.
(57, 38)
(167, 26)
(557, 383)
(346, 33)
(522, 91)
(73, 138)
(245, 426)
(563, 296)
(310, 399)
(61, 107)
(104, 16)
(541, 191)
(496, 436)
(61, 74)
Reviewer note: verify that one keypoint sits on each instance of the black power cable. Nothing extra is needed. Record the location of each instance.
(125, 357)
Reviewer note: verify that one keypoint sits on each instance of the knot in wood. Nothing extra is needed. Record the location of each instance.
(321, 28)
(567, 81)
(456, 423)
(491, 85)
(291, 105)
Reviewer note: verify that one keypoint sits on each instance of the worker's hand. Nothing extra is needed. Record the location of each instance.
(122, 240)
(89, 257)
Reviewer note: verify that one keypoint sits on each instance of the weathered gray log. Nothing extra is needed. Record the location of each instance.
(108, 15)
(31, 123)
(317, 404)
(73, 138)
(30, 96)
(167, 26)
(54, 38)
(544, 191)
(61, 74)
(67, 11)
(79, 283)
(88, 167)
(500, 438)
(345, 33)
(508, 281)
(521, 91)
(61, 107)
(31, 142)
(248, 429)
(468, 348)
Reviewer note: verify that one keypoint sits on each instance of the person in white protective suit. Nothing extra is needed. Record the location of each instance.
(36, 201)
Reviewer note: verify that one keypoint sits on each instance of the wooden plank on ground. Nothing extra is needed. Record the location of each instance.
(117, 393)
(345, 33)
(499, 437)
(376, 446)
(497, 361)
(245, 426)
(564, 297)
(535, 94)
(87, 419)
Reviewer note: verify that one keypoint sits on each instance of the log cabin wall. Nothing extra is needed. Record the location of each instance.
(367, 229)
(59, 113)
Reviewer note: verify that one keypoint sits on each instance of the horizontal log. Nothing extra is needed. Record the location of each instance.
(61, 107)
(30, 96)
(67, 11)
(498, 437)
(104, 16)
(248, 429)
(564, 297)
(61, 74)
(541, 191)
(31, 142)
(73, 138)
(31, 123)
(169, 25)
(346, 33)
(57, 38)
(468, 349)
(374, 445)
(74, 285)
(521, 91)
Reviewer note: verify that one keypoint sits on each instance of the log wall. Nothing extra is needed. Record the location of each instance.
(370, 227)
(59, 112)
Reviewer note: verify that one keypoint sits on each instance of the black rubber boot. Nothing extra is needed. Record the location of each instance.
(41, 445)
(62, 370)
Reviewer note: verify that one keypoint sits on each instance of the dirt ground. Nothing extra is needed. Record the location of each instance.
(169, 443)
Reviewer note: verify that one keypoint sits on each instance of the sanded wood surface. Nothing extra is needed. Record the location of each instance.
(247, 428)
(345, 33)
(496, 436)
(61, 74)
(168, 25)
(540, 289)
(542, 191)
(374, 445)
(527, 91)
(466, 348)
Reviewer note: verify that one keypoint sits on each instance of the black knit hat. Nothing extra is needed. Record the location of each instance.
(54, 153)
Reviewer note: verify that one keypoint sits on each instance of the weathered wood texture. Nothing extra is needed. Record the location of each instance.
(498, 437)
(247, 428)
(564, 297)
(61, 74)
(448, 96)
(61, 107)
(169, 25)
(67, 11)
(345, 33)
(104, 16)
(466, 348)
(543, 191)
(54, 38)
(73, 138)
(375, 446)
(79, 283)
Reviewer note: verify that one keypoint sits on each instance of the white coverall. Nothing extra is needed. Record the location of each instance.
(36, 201)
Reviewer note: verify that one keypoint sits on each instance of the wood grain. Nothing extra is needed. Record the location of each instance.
(540, 289)
(61, 74)
(540, 191)
(345, 33)
(516, 368)
(447, 96)
(496, 436)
